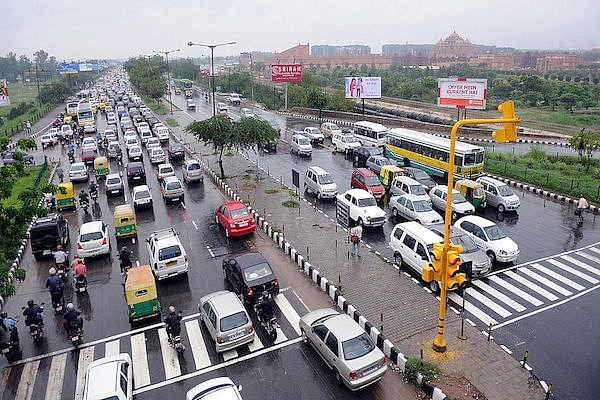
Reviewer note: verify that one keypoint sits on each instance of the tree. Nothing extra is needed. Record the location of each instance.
(225, 134)
(315, 98)
(586, 143)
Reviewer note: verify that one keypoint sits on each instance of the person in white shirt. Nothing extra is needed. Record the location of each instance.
(355, 238)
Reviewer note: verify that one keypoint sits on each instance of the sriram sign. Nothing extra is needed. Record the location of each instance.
(286, 72)
(462, 93)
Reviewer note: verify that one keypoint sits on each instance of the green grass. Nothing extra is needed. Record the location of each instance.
(21, 184)
(157, 106)
(172, 123)
(19, 93)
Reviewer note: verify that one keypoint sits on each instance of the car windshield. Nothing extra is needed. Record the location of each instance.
(374, 151)
(325, 179)
(257, 271)
(233, 321)
(417, 189)
(142, 194)
(468, 245)
(357, 347)
(367, 202)
(113, 181)
(86, 237)
(372, 181)
(303, 141)
(239, 213)
(78, 167)
(421, 206)
(494, 232)
(169, 252)
(420, 174)
(504, 191)
(350, 139)
(192, 167)
(173, 185)
(458, 198)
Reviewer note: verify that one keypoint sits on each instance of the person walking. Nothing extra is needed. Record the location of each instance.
(60, 173)
(355, 238)
(582, 205)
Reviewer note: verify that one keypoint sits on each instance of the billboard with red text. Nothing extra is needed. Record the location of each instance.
(462, 93)
(286, 73)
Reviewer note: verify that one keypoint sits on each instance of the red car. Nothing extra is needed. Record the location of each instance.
(235, 218)
(88, 156)
(366, 179)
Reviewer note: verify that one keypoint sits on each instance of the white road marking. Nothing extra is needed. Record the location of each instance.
(54, 386)
(499, 295)
(27, 381)
(545, 281)
(139, 359)
(290, 314)
(524, 295)
(197, 345)
(536, 288)
(169, 355)
(498, 309)
(471, 309)
(111, 348)
(558, 276)
(86, 356)
(580, 264)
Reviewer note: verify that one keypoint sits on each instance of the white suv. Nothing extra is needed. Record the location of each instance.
(360, 206)
(344, 143)
(168, 258)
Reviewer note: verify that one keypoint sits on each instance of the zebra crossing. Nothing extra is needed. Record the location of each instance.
(149, 347)
(514, 293)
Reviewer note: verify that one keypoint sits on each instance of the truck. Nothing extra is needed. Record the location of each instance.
(235, 99)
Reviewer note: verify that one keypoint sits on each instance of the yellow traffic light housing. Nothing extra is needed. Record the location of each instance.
(455, 278)
(509, 132)
(434, 270)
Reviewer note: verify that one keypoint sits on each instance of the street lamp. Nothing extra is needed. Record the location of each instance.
(249, 54)
(166, 53)
(212, 66)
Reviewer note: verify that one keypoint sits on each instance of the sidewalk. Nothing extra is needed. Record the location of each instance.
(371, 286)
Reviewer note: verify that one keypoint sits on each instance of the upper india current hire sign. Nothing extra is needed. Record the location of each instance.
(462, 93)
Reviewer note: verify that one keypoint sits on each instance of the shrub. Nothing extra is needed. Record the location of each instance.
(415, 366)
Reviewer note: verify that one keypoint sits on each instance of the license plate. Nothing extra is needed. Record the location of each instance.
(242, 224)
(171, 264)
(4, 351)
(236, 335)
(114, 191)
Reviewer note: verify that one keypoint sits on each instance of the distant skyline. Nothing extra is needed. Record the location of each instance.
(74, 30)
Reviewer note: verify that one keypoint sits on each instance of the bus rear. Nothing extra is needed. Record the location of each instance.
(370, 133)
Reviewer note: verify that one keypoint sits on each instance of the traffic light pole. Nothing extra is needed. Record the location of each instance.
(439, 343)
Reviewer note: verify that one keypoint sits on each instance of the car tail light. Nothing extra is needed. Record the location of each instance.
(219, 339)
(186, 259)
(79, 246)
(104, 241)
(384, 361)
(276, 282)
(249, 291)
(353, 375)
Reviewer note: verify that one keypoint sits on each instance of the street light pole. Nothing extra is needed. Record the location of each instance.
(212, 66)
(166, 53)
(249, 53)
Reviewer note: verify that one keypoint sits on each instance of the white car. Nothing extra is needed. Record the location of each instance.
(414, 208)
(344, 143)
(109, 378)
(152, 142)
(93, 239)
(157, 155)
(164, 170)
(489, 237)
(246, 113)
(66, 131)
(111, 120)
(163, 134)
(113, 185)
(134, 153)
(460, 205)
(78, 172)
(89, 143)
(314, 134)
(192, 171)
(217, 388)
(167, 255)
(346, 348)
(131, 141)
(141, 196)
(50, 138)
(362, 208)
(89, 127)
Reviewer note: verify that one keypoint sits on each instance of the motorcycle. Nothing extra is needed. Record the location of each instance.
(85, 205)
(268, 322)
(36, 329)
(61, 271)
(57, 301)
(176, 343)
(94, 195)
(81, 284)
(76, 333)
(71, 156)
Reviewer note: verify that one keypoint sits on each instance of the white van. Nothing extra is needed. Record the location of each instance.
(412, 244)
(300, 145)
(406, 185)
(499, 194)
(320, 182)
(167, 256)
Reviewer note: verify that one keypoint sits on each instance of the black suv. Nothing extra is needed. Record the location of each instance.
(361, 155)
(48, 232)
(136, 173)
(250, 274)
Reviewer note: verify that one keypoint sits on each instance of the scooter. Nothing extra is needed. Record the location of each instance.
(61, 271)
(57, 301)
(76, 333)
(81, 284)
(11, 349)
(268, 322)
(177, 343)
(85, 205)
(94, 196)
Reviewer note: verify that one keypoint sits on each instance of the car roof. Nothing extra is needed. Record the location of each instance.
(102, 376)
(365, 171)
(421, 231)
(249, 258)
(358, 193)
(224, 302)
(93, 226)
(317, 170)
(477, 220)
(140, 188)
(343, 327)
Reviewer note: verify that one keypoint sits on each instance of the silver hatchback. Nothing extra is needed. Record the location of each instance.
(226, 319)
(172, 189)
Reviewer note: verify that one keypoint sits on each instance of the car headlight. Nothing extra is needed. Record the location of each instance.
(504, 252)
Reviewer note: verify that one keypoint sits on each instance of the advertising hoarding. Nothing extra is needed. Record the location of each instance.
(363, 87)
(4, 98)
(67, 68)
(462, 93)
(86, 67)
(286, 72)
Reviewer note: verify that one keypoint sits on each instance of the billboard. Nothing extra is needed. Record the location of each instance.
(462, 93)
(67, 68)
(286, 72)
(4, 99)
(363, 87)
(86, 67)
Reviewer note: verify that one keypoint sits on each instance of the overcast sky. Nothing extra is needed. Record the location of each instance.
(74, 30)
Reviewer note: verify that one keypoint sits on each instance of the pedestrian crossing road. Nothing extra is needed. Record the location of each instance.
(527, 289)
(155, 363)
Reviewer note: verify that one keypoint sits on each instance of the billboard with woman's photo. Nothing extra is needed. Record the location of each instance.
(363, 87)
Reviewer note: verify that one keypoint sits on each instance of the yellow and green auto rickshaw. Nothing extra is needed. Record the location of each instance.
(141, 294)
(387, 175)
(101, 167)
(65, 196)
(124, 219)
(472, 191)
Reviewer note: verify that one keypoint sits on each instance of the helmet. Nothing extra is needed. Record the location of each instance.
(82, 191)
(92, 182)
(70, 307)
(30, 303)
(76, 256)
(265, 294)
(52, 271)
(3, 315)
(59, 247)
(171, 309)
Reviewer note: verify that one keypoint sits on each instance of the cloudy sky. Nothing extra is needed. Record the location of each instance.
(74, 30)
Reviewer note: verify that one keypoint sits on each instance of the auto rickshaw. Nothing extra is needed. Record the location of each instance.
(472, 191)
(141, 294)
(101, 167)
(67, 119)
(124, 219)
(65, 196)
(388, 173)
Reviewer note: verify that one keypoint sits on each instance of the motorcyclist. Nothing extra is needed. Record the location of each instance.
(73, 321)
(33, 314)
(56, 286)
(11, 326)
(264, 306)
(93, 188)
(125, 257)
(173, 322)
(83, 197)
(60, 257)
(75, 261)
(79, 270)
